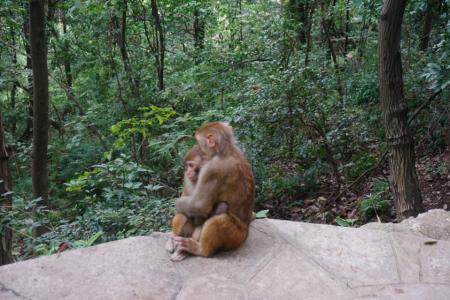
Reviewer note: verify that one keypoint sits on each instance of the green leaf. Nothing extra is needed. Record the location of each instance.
(115, 128)
(7, 194)
(262, 214)
(344, 222)
(93, 238)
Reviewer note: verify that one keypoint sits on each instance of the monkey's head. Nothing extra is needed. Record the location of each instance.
(215, 138)
(192, 163)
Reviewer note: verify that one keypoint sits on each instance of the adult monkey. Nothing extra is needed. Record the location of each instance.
(226, 176)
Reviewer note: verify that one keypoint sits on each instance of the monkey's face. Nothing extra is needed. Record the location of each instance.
(192, 168)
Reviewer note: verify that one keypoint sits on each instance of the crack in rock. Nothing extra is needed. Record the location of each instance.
(3, 288)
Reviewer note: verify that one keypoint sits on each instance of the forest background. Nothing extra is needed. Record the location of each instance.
(129, 81)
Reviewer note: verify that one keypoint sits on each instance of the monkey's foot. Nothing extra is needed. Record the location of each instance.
(188, 245)
(178, 255)
(170, 245)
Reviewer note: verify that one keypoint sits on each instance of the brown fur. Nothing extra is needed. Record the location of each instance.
(225, 177)
(182, 225)
(192, 163)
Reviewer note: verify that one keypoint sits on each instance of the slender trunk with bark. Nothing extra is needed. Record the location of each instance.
(299, 10)
(38, 43)
(241, 29)
(199, 29)
(427, 24)
(308, 35)
(26, 32)
(14, 86)
(160, 44)
(112, 62)
(326, 29)
(13, 107)
(403, 177)
(199, 35)
(67, 65)
(121, 31)
(5, 199)
(347, 25)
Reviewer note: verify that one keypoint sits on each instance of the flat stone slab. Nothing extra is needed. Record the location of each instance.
(280, 260)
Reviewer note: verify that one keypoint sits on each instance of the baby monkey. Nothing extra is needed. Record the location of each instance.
(193, 161)
(184, 226)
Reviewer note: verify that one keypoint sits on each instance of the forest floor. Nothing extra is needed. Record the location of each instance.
(434, 177)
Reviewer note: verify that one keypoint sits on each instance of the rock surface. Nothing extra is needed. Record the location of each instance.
(280, 260)
(433, 224)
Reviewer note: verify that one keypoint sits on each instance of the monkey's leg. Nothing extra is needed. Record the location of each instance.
(181, 226)
(197, 232)
(221, 231)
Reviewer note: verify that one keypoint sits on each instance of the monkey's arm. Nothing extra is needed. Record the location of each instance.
(182, 203)
(199, 205)
(213, 181)
(202, 202)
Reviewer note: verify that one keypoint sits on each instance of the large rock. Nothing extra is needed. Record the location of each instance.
(280, 260)
(434, 224)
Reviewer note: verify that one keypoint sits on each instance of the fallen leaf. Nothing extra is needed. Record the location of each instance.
(63, 246)
(430, 242)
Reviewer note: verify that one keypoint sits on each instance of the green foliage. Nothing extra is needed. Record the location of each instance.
(89, 242)
(141, 125)
(44, 249)
(115, 159)
(53, 245)
(344, 222)
(360, 163)
(375, 203)
(119, 197)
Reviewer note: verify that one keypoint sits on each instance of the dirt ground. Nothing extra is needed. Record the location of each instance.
(434, 177)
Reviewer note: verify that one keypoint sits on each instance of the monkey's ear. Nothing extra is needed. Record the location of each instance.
(210, 140)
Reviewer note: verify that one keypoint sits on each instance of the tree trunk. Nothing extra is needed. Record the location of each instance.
(308, 35)
(403, 177)
(347, 25)
(299, 10)
(199, 34)
(5, 201)
(427, 24)
(39, 171)
(326, 30)
(241, 30)
(14, 86)
(67, 66)
(113, 37)
(120, 31)
(160, 44)
(199, 30)
(13, 107)
(26, 32)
